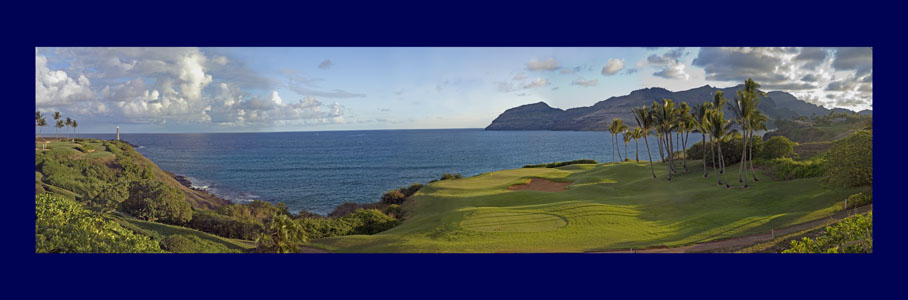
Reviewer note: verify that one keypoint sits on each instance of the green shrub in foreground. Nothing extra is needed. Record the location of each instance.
(64, 226)
(851, 235)
(859, 199)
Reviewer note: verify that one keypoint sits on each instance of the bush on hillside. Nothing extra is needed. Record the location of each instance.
(731, 151)
(369, 221)
(256, 211)
(851, 161)
(64, 226)
(393, 197)
(155, 201)
(182, 243)
(787, 168)
(224, 226)
(394, 211)
(859, 199)
(777, 147)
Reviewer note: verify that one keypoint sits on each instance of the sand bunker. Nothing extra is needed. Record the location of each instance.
(541, 185)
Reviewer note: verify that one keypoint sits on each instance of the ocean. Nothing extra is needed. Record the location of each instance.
(316, 171)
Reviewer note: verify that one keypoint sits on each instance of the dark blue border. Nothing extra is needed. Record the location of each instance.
(451, 24)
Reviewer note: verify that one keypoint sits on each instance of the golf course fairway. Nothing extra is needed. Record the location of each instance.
(606, 207)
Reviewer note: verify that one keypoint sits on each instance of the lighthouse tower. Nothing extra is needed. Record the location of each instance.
(118, 133)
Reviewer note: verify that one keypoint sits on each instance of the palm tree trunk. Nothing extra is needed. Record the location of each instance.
(637, 150)
(613, 148)
(684, 148)
(751, 158)
(650, 156)
(742, 170)
(712, 151)
(703, 142)
(722, 162)
(659, 140)
(626, 155)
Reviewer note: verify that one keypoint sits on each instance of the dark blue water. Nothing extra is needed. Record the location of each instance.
(316, 171)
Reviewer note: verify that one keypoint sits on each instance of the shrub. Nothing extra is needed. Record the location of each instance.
(859, 199)
(257, 211)
(224, 226)
(394, 211)
(448, 176)
(369, 221)
(731, 151)
(181, 243)
(562, 163)
(282, 235)
(412, 189)
(851, 161)
(787, 168)
(393, 197)
(154, 201)
(777, 147)
(64, 226)
(851, 235)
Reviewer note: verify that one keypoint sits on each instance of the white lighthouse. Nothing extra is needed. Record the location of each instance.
(118, 133)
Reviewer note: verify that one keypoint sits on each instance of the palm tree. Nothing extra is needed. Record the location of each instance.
(637, 134)
(57, 117)
(718, 129)
(684, 128)
(69, 123)
(664, 116)
(645, 121)
(75, 124)
(745, 107)
(699, 122)
(627, 139)
(616, 127)
(59, 125)
(38, 117)
(758, 122)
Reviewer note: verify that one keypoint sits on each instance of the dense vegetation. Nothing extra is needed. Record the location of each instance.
(563, 163)
(851, 161)
(64, 226)
(851, 235)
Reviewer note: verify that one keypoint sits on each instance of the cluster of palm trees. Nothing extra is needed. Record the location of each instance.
(672, 125)
(59, 123)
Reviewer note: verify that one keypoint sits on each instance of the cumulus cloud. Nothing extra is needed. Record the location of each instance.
(671, 65)
(326, 64)
(811, 56)
(585, 83)
(612, 66)
(536, 83)
(549, 64)
(520, 83)
(167, 86)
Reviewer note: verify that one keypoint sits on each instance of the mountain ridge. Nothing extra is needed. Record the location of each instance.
(541, 116)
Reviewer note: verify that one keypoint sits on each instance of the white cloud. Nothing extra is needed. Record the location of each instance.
(56, 87)
(536, 83)
(549, 64)
(585, 83)
(612, 66)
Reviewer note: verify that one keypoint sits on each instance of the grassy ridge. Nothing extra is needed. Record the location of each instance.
(609, 206)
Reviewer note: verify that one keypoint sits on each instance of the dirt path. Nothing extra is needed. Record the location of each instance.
(745, 240)
(541, 185)
(307, 249)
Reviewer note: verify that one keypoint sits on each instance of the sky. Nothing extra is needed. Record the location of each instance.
(358, 88)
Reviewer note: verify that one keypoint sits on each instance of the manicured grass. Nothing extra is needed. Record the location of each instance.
(609, 206)
(68, 147)
(159, 231)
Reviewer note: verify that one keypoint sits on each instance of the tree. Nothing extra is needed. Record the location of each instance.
(626, 134)
(75, 124)
(38, 118)
(665, 117)
(745, 109)
(69, 123)
(718, 129)
(637, 134)
(685, 126)
(155, 201)
(282, 235)
(57, 117)
(645, 121)
(615, 127)
(701, 123)
(59, 125)
(757, 122)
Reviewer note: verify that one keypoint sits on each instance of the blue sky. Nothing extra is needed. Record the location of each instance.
(291, 89)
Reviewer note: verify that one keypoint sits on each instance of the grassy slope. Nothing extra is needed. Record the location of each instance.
(609, 206)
